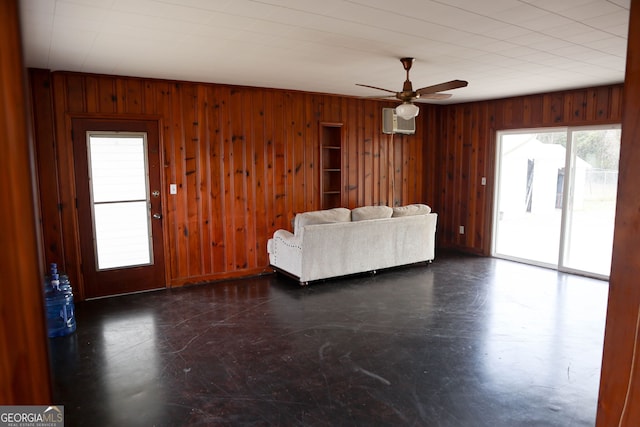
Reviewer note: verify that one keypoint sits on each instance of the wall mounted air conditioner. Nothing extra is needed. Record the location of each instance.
(391, 123)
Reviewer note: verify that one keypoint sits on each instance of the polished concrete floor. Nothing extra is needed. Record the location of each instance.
(466, 341)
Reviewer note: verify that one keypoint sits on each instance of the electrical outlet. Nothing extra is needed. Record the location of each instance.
(462, 229)
(484, 180)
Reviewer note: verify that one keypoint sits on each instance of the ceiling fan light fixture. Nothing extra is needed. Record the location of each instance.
(407, 110)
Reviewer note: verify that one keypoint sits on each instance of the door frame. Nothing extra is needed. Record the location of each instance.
(567, 198)
(154, 120)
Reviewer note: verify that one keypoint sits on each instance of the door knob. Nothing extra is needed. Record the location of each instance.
(157, 216)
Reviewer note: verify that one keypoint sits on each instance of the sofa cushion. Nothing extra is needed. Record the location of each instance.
(409, 210)
(371, 212)
(320, 217)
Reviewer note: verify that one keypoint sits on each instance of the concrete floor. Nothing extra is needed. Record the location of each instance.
(466, 341)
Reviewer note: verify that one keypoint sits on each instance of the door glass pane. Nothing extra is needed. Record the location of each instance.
(118, 168)
(592, 205)
(122, 237)
(529, 208)
(119, 195)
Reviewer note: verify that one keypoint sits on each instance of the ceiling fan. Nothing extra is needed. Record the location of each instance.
(408, 96)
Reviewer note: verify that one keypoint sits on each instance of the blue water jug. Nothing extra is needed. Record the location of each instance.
(60, 310)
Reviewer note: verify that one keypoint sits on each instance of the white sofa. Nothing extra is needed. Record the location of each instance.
(337, 242)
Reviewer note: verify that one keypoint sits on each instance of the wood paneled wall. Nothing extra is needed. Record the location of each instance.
(24, 362)
(245, 161)
(461, 150)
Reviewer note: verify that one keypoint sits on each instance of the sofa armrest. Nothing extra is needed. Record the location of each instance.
(285, 252)
(287, 237)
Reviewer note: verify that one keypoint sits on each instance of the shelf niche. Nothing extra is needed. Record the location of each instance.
(331, 183)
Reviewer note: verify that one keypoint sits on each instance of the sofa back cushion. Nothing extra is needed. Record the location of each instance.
(371, 212)
(320, 217)
(409, 210)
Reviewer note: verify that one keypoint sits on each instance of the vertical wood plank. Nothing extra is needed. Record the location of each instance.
(537, 113)
(616, 103)
(310, 140)
(205, 167)
(48, 177)
(293, 205)
(219, 179)
(149, 105)
(249, 185)
(398, 158)
(75, 93)
(280, 161)
(107, 96)
(120, 87)
(66, 183)
(269, 184)
(92, 94)
(429, 196)
(134, 96)
(405, 168)
(367, 160)
(237, 176)
(178, 143)
(416, 193)
(383, 161)
(361, 150)
(590, 107)
(190, 149)
(470, 137)
(352, 158)
(261, 153)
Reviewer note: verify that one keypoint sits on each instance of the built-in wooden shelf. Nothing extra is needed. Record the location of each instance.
(331, 165)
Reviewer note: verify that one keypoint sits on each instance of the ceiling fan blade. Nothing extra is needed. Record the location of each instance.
(453, 84)
(382, 98)
(379, 88)
(428, 96)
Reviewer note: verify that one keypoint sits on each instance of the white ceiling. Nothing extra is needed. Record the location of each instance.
(502, 47)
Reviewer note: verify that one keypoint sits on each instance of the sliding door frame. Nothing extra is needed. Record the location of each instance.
(568, 193)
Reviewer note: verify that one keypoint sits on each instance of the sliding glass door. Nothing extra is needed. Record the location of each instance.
(591, 205)
(555, 197)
